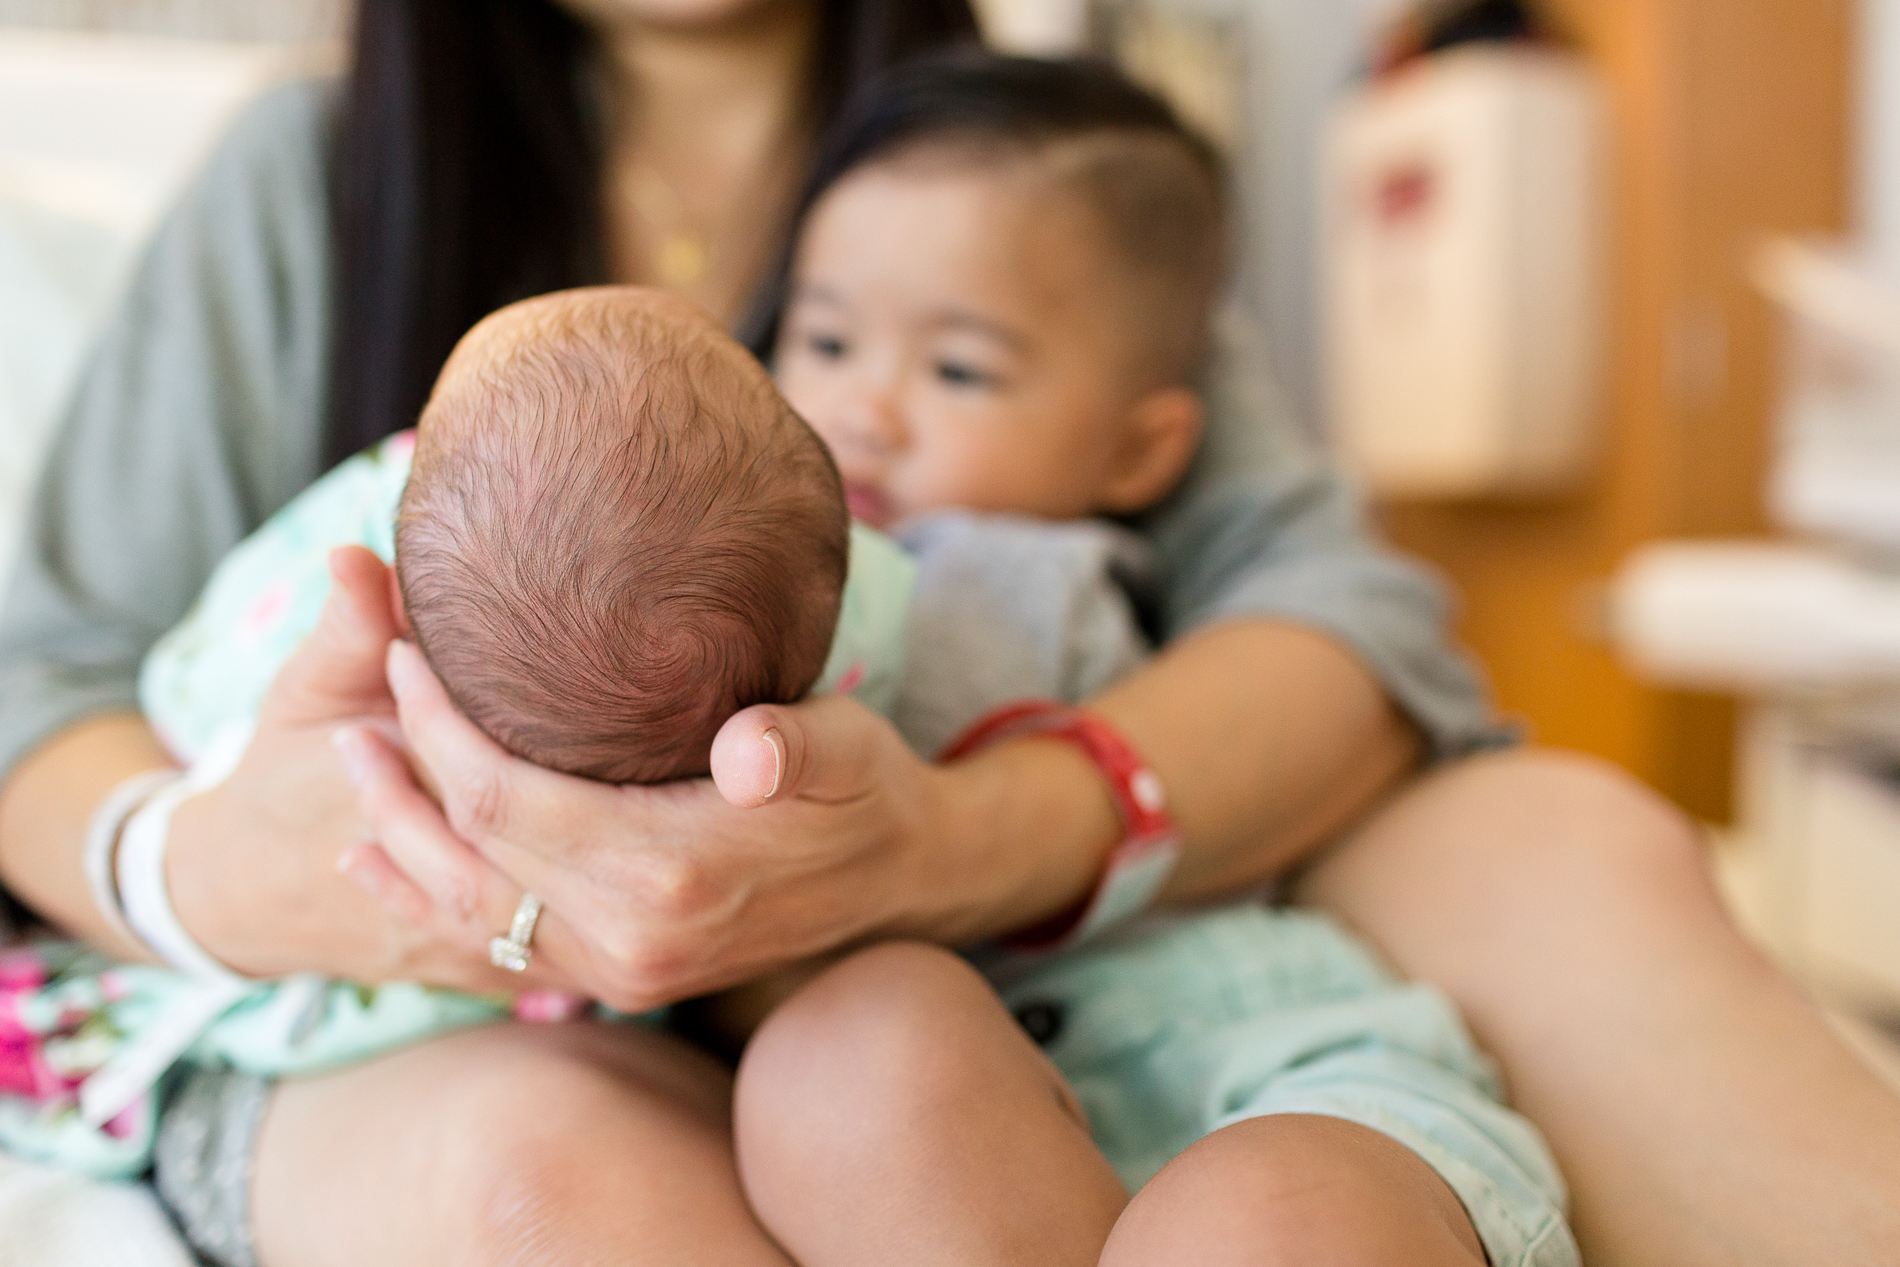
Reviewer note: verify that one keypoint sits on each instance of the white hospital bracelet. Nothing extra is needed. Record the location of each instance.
(145, 895)
(102, 842)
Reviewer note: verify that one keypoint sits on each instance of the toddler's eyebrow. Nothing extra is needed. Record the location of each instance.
(954, 318)
(818, 293)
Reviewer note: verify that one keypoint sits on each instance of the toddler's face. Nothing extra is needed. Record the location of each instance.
(959, 339)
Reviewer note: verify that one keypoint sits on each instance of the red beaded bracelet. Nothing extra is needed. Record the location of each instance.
(1138, 867)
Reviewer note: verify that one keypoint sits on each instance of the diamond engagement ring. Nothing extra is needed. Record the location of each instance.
(513, 951)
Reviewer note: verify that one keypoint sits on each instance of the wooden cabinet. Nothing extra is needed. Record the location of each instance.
(1731, 122)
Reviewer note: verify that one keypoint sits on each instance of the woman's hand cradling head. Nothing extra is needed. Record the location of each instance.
(816, 830)
(253, 863)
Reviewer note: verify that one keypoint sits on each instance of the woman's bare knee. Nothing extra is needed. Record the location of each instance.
(1522, 814)
(1293, 1191)
(1500, 874)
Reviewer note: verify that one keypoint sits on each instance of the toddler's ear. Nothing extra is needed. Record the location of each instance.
(1157, 442)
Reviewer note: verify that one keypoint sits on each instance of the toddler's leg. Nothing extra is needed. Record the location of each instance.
(566, 1144)
(1298, 1190)
(893, 1112)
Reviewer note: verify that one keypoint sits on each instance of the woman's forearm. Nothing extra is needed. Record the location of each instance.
(44, 809)
(1269, 737)
(1260, 765)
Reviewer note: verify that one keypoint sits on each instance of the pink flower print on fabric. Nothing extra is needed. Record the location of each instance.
(853, 678)
(42, 1058)
(266, 611)
(22, 969)
(24, 1069)
(133, 1121)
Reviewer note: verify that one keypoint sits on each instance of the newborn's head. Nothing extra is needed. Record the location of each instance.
(616, 535)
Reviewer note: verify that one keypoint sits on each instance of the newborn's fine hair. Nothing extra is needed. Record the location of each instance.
(617, 534)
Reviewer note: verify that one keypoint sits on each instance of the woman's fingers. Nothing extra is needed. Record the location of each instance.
(367, 867)
(391, 877)
(408, 825)
(338, 671)
(360, 584)
(487, 792)
(371, 869)
(673, 890)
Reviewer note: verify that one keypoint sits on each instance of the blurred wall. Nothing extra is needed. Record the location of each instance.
(1300, 57)
(1289, 62)
(1732, 121)
(292, 21)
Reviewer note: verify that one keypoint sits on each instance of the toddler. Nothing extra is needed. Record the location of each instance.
(998, 299)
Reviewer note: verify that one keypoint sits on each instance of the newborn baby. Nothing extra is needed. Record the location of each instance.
(616, 535)
(613, 534)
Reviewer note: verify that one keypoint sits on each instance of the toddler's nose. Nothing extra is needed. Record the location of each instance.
(872, 421)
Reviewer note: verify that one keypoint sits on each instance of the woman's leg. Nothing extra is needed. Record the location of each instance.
(1699, 1107)
(1295, 1190)
(894, 1112)
(523, 1145)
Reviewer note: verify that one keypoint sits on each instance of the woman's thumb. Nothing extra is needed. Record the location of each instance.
(751, 756)
(827, 747)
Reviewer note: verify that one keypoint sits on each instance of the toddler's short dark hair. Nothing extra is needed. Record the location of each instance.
(1156, 188)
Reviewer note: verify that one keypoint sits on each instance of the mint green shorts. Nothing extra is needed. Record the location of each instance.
(1179, 1025)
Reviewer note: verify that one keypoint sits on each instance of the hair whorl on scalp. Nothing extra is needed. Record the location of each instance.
(1156, 187)
(616, 535)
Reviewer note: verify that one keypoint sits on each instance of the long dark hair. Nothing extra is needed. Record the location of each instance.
(973, 94)
(468, 175)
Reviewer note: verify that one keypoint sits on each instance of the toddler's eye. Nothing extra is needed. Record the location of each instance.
(963, 374)
(828, 346)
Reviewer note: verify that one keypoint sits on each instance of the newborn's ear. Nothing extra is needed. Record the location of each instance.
(1156, 443)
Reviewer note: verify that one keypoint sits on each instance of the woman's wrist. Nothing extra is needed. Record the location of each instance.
(1019, 834)
(48, 807)
(197, 879)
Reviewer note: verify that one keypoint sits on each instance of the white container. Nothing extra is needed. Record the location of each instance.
(1465, 275)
